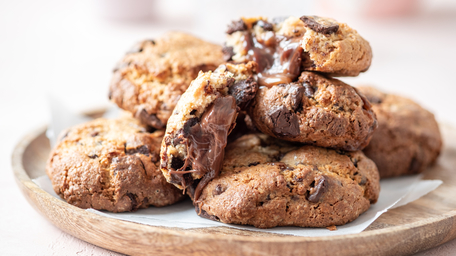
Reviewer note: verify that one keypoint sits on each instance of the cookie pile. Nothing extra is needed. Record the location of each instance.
(258, 132)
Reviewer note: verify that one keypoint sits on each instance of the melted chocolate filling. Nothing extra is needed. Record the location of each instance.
(278, 57)
(207, 141)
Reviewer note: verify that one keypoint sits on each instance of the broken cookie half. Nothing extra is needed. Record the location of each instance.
(196, 134)
(284, 47)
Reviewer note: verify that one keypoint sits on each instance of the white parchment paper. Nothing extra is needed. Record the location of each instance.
(394, 193)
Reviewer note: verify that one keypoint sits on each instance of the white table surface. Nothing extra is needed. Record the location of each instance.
(67, 50)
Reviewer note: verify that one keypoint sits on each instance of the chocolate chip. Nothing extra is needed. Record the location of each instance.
(265, 25)
(235, 26)
(218, 190)
(193, 112)
(204, 214)
(149, 119)
(319, 190)
(190, 123)
(134, 203)
(93, 134)
(228, 53)
(244, 91)
(144, 150)
(285, 123)
(320, 25)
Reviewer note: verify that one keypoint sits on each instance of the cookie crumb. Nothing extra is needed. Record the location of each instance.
(332, 228)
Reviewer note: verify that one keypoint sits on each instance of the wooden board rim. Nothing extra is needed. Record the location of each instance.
(28, 187)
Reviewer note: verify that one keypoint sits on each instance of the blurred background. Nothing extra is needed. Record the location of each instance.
(67, 49)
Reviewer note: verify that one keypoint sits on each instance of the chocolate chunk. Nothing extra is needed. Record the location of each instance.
(218, 190)
(204, 214)
(177, 163)
(254, 164)
(265, 25)
(244, 91)
(238, 25)
(318, 191)
(150, 41)
(295, 93)
(92, 156)
(355, 162)
(94, 133)
(320, 25)
(136, 48)
(285, 123)
(134, 203)
(190, 123)
(144, 150)
(149, 119)
(309, 90)
(228, 53)
(363, 181)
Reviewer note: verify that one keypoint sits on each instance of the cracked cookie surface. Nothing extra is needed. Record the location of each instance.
(283, 47)
(315, 110)
(266, 182)
(110, 165)
(407, 140)
(151, 77)
(196, 134)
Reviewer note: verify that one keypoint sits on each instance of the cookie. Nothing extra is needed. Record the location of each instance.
(315, 110)
(407, 140)
(285, 47)
(196, 134)
(110, 165)
(266, 182)
(151, 77)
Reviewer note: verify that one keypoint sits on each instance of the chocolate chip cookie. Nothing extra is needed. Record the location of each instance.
(196, 134)
(110, 165)
(315, 110)
(407, 140)
(266, 182)
(285, 47)
(151, 77)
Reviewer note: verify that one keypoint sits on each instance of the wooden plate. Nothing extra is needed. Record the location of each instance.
(417, 226)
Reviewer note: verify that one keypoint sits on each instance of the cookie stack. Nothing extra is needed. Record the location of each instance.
(258, 132)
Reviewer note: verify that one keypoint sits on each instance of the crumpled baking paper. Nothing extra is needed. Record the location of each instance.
(394, 193)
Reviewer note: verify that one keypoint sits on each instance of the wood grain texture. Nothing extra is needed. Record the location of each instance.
(420, 225)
